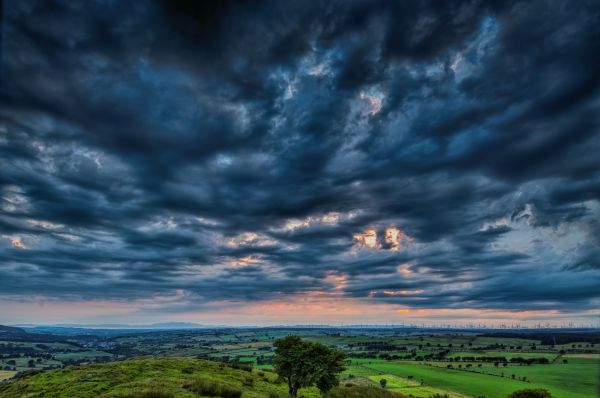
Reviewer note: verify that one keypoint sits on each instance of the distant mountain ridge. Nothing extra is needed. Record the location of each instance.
(18, 334)
(162, 325)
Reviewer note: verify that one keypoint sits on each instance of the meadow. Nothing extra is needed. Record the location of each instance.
(577, 379)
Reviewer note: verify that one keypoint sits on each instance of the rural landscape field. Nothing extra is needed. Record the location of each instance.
(412, 362)
(299, 199)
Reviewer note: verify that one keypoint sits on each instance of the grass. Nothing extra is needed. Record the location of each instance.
(578, 375)
(507, 354)
(363, 392)
(563, 380)
(81, 355)
(6, 374)
(148, 394)
(165, 378)
(176, 377)
(213, 389)
(411, 387)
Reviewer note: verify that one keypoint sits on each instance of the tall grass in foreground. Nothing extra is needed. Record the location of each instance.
(362, 392)
(211, 388)
(148, 394)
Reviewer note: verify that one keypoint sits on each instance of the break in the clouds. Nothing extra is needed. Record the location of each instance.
(296, 161)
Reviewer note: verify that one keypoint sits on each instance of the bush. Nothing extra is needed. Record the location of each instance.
(274, 395)
(187, 371)
(248, 381)
(148, 394)
(240, 366)
(230, 392)
(204, 387)
(362, 392)
(211, 388)
(27, 373)
(531, 393)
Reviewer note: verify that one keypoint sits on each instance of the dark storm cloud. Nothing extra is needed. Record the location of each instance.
(239, 151)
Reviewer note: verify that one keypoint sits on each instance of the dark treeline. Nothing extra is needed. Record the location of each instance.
(552, 338)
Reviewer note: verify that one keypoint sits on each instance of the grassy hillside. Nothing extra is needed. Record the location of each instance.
(162, 378)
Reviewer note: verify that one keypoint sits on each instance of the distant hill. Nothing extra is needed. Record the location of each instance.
(107, 330)
(10, 330)
(17, 334)
(164, 378)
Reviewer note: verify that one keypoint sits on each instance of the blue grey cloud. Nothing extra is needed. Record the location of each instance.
(249, 152)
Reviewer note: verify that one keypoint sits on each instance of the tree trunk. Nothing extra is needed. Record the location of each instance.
(292, 390)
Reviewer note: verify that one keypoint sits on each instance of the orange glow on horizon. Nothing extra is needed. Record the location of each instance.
(308, 308)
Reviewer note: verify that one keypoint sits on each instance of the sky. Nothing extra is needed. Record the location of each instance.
(297, 162)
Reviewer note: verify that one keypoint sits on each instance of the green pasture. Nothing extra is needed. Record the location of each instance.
(563, 380)
(507, 354)
(81, 355)
(410, 387)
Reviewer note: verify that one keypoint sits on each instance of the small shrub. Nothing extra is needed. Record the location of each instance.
(27, 373)
(362, 392)
(148, 394)
(531, 393)
(274, 395)
(240, 366)
(204, 387)
(261, 373)
(230, 392)
(248, 381)
(211, 388)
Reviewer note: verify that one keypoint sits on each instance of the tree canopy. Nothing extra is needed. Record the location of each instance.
(304, 364)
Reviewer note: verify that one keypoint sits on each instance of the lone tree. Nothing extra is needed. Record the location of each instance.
(383, 383)
(304, 364)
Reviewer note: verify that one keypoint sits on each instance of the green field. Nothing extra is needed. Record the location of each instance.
(81, 355)
(507, 354)
(411, 387)
(577, 379)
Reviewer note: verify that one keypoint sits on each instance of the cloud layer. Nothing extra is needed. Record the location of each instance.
(187, 158)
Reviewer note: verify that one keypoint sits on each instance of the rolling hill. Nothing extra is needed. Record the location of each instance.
(163, 378)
